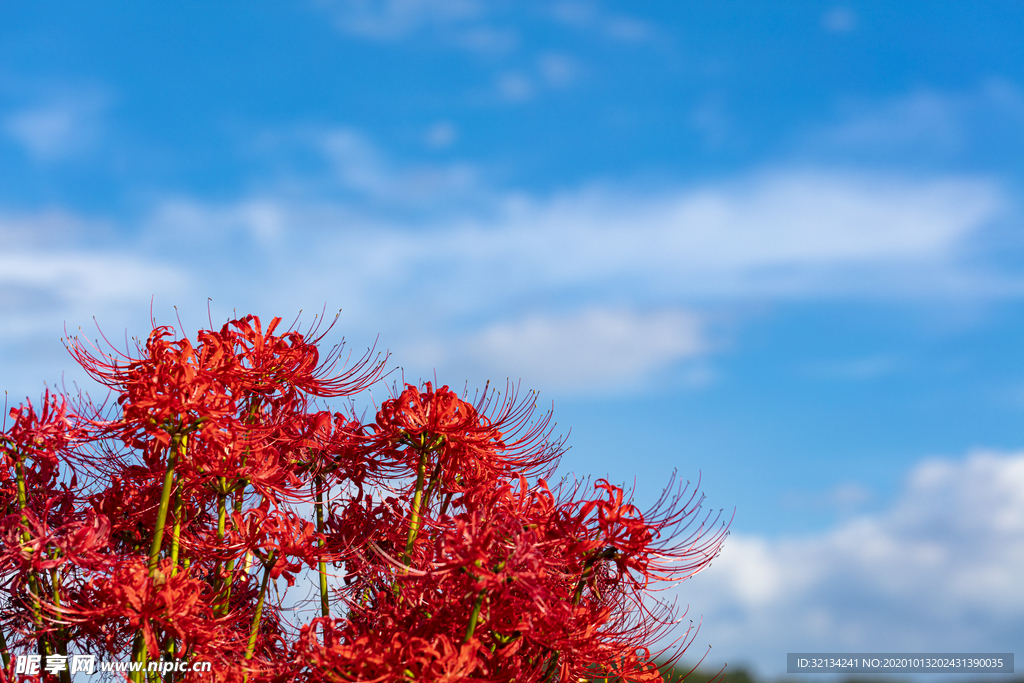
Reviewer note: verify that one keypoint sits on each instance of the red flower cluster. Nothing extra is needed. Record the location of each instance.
(172, 526)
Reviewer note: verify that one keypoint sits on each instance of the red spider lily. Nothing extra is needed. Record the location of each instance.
(174, 386)
(37, 442)
(291, 363)
(129, 598)
(466, 446)
(175, 525)
(31, 545)
(382, 657)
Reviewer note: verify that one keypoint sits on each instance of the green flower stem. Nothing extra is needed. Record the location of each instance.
(231, 563)
(553, 669)
(170, 645)
(414, 521)
(254, 629)
(222, 513)
(176, 534)
(139, 654)
(60, 642)
(179, 444)
(321, 566)
(474, 616)
(435, 478)
(26, 538)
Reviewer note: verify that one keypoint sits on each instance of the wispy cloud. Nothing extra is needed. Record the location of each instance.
(348, 167)
(441, 135)
(473, 24)
(358, 166)
(582, 351)
(394, 19)
(591, 16)
(839, 20)
(515, 86)
(522, 286)
(928, 122)
(856, 369)
(934, 572)
(558, 70)
(602, 281)
(774, 233)
(56, 269)
(552, 71)
(58, 129)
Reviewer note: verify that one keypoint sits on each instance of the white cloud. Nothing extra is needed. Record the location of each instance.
(393, 19)
(558, 70)
(594, 287)
(47, 277)
(843, 499)
(711, 118)
(921, 116)
(357, 165)
(628, 29)
(441, 135)
(936, 572)
(488, 39)
(48, 227)
(599, 281)
(782, 232)
(776, 232)
(263, 221)
(59, 129)
(515, 87)
(593, 349)
(583, 14)
(839, 20)
(856, 369)
(472, 24)
(928, 121)
(575, 12)
(39, 289)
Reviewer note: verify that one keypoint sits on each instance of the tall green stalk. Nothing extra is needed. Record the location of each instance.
(138, 655)
(222, 514)
(414, 520)
(474, 616)
(325, 609)
(176, 533)
(258, 615)
(33, 580)
(230, 568)
(179, 443)
(60, 640)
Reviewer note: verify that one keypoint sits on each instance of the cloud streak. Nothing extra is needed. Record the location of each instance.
(597, 285)
(395, 19)
(582, 351)
(60, 129)
(926, 123)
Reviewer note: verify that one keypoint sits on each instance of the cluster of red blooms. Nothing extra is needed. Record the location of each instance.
(431, 545)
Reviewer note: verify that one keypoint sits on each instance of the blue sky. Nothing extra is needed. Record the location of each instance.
(778, 246)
